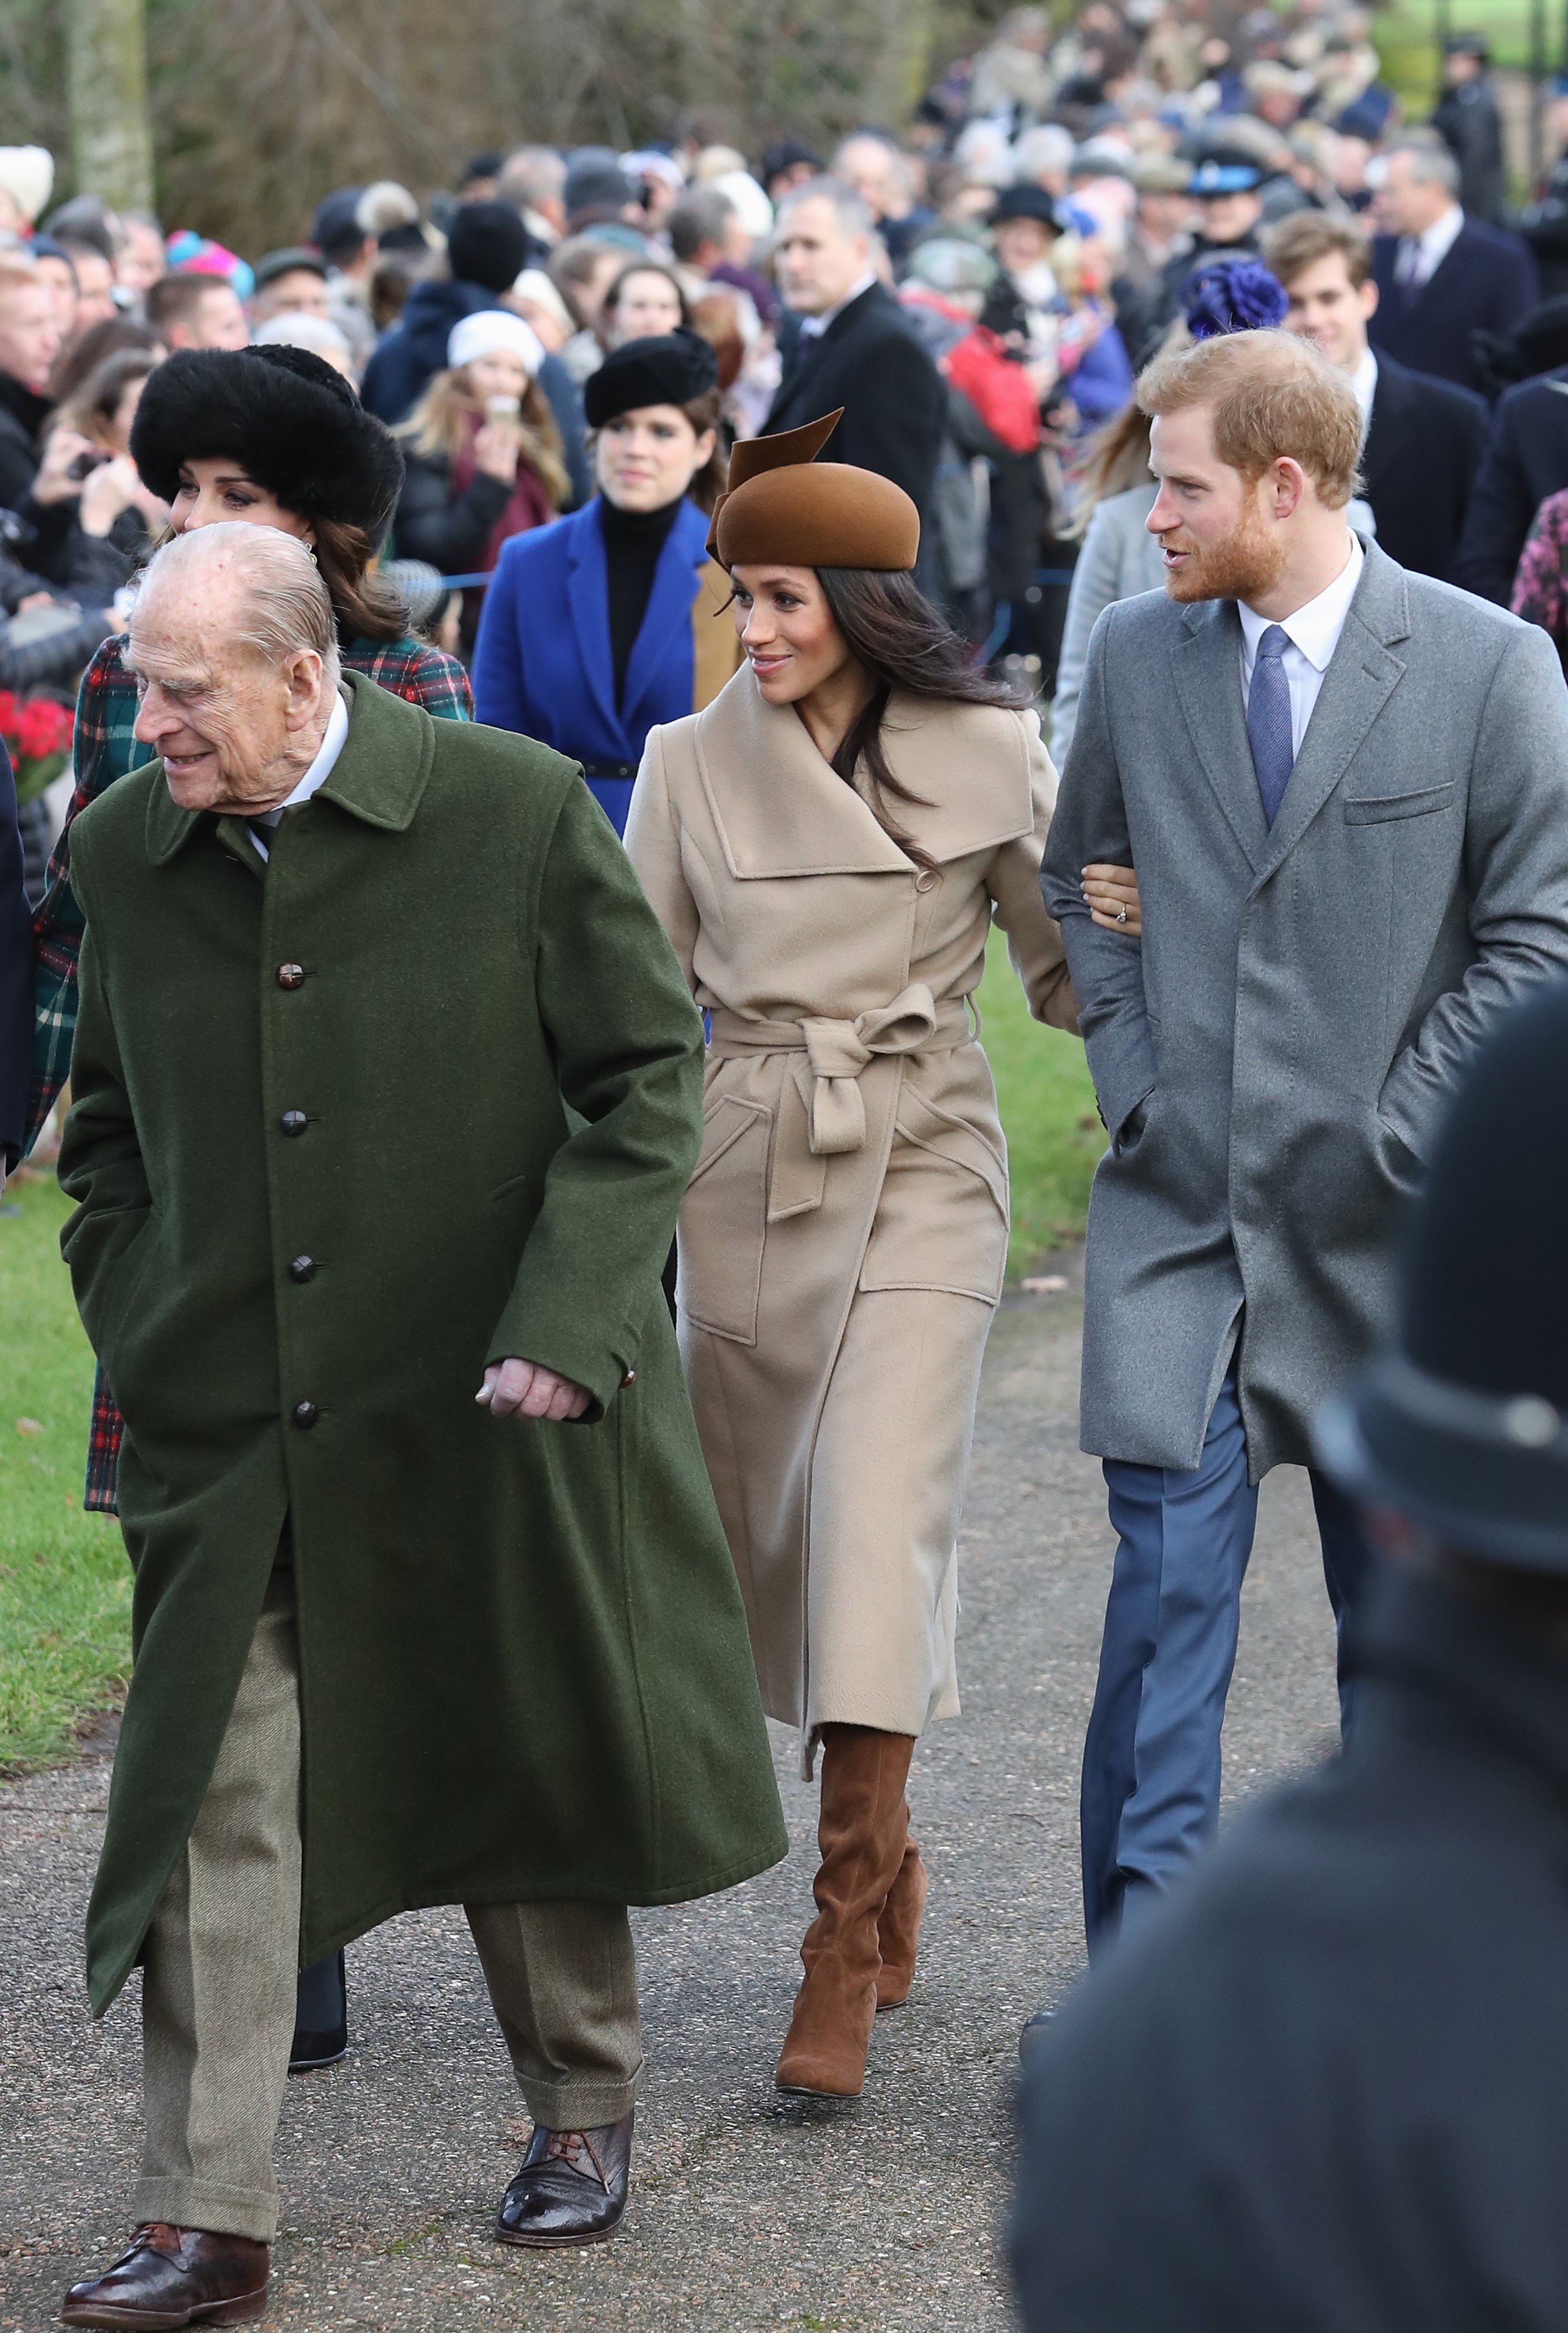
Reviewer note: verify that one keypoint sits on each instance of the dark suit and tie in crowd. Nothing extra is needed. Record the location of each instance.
(852, 347)
(1422, 439)
(1440, 274)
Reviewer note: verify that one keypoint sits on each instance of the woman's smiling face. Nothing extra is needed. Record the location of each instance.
(788, 630)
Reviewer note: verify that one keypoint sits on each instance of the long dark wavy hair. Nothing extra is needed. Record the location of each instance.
(894, 633)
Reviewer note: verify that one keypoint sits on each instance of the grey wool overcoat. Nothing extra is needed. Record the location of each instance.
(421, 1092)
(1304, 998)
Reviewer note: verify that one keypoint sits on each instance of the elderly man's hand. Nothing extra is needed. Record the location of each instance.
(528, 1389)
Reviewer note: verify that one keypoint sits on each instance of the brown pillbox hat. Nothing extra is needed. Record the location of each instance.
(785, 507)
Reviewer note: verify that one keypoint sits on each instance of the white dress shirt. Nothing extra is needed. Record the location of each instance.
(319, 770)
(1364, 381)
(1420, 257)
(813, 327)
(1314, 634)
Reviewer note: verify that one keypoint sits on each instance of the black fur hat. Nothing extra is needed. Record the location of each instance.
(285, 414)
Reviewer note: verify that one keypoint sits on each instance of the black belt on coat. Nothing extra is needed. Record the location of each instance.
(609, 769)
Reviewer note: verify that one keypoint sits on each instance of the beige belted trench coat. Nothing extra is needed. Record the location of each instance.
(844, 1237)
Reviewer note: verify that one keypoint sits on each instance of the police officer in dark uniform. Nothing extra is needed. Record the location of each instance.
(1470, 125)
(1229, 207)
(1325, 2090)
(1543, 221)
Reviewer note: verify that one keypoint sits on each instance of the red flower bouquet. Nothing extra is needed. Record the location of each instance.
(37, 732)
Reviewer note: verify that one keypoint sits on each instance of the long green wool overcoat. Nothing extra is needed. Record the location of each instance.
(421, 1092)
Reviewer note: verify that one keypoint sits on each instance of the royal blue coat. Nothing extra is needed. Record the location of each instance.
(542, 663)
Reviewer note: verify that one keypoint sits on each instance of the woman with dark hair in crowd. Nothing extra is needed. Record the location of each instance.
(111, 336)
(272, 436)
(644, 303)
(485, 460)
(828, 845)
(113, 506)
(602, 624)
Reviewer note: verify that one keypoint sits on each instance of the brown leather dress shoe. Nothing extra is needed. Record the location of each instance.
(171, 2277)
(571, 2188)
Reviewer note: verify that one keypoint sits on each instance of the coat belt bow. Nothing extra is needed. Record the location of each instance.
(837, 1051)
(822, 1111)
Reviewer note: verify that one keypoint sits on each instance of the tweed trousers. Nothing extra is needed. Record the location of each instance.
(221, 1959)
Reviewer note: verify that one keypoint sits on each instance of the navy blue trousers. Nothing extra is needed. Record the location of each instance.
(1151, 1790)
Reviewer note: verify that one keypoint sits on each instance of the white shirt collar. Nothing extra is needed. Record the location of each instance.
(1316, 629)
(1438, 240)
(1364, 381)
(331, 746)
(316, 776)
(811, 326)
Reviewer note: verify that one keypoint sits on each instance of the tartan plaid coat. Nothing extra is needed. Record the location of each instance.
(525, 1672)
(106, 749)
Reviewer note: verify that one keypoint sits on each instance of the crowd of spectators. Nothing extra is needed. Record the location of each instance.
(976, 288)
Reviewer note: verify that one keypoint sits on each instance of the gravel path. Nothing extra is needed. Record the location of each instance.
(745, 2213)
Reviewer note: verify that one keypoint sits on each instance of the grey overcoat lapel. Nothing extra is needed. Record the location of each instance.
(1207, 670)
(1361, 676)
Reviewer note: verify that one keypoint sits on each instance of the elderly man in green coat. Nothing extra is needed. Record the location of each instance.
(386, 1089)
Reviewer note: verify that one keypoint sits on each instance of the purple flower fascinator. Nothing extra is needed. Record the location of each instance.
(1233, 295)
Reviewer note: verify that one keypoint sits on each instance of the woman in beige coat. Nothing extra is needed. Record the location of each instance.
(826, 845)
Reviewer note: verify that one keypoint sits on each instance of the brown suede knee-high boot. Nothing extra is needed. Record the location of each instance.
(899, 1925)
(862, 1833)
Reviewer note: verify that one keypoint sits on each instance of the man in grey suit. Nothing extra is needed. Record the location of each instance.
(1344, 789)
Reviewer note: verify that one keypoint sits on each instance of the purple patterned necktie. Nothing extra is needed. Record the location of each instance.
(1268, 720)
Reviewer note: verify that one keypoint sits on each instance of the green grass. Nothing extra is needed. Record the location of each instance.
(1047, 1103)
(1405, 38)
(64, 1582)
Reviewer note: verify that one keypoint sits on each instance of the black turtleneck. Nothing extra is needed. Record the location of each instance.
(633, 542)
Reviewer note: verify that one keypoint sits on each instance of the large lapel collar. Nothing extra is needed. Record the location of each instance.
(778, 807)
(781, 810)
(1206, 665)
(1361, 676)
(589, 596)
(676, 578)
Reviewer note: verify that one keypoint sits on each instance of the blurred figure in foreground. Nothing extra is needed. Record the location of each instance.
(1324, 2088)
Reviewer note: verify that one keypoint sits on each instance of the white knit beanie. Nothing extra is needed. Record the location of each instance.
(490, 329)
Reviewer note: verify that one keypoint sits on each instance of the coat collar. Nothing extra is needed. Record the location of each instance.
(780, 809)
(676, 580)
(1361, 677)
(379, 777)
(810, 359)
(587, 595)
